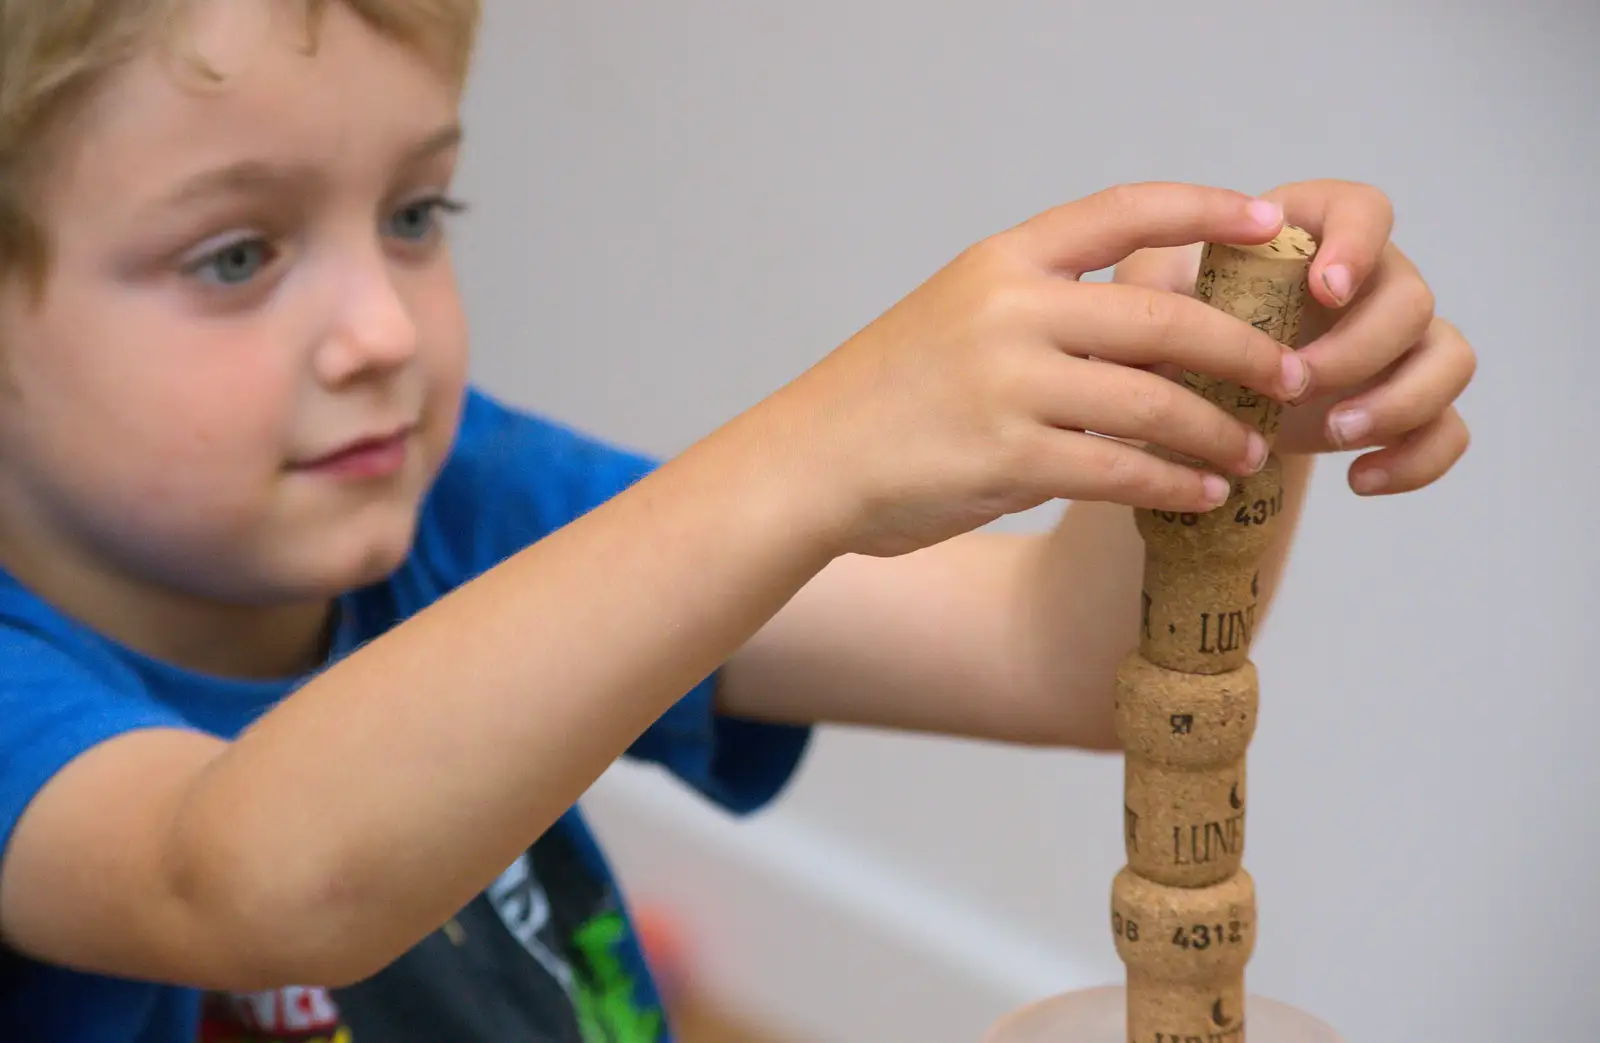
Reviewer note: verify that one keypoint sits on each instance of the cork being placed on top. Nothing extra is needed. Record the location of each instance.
(1268, 287)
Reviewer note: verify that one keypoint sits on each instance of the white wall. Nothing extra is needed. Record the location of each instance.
(679, 206)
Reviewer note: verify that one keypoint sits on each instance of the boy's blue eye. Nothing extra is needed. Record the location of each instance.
(416, 221)
(234, 264)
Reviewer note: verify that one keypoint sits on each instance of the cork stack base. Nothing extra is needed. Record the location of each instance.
(1101, 1016)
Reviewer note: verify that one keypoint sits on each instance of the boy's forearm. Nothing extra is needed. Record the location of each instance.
(377, 801)
(996, 636)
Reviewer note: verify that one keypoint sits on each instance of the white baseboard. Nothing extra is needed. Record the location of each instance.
(797, 930)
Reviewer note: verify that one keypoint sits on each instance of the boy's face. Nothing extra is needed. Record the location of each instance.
(246, 281)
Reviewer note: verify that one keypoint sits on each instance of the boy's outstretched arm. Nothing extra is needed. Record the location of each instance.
(1018, 638)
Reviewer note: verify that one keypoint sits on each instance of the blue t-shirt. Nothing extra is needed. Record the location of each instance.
(545, 954)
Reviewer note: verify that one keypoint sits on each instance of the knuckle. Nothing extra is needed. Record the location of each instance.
(1469, 363)
(1257, 356)
(1374, 197)
(1171, 485)
(1420, 302)
(1152, 403)
(1032, 456)
(981, 256)
(1007, 301)
(1140, 478)
(1460, 434)
(992, 258)
(1120, 202)
(1157, 312)
(1396, 413)
(1009, 375)
(1119, 467)
(1445, 331)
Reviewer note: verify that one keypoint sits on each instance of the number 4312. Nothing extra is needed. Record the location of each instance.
(1203, 936)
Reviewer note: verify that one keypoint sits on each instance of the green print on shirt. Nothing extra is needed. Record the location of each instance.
(607, 1011)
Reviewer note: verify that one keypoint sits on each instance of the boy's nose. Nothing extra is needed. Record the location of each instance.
(373, 330)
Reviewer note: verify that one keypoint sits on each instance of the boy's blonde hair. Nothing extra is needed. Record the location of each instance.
(54, 52)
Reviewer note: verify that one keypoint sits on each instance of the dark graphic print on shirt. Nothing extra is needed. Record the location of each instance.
(537, 957)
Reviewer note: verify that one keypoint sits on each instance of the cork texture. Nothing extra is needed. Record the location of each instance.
(1185, 827)
(1202, 1012)
(1198, 616)
(1201, 585)
(1184, 935)
(1184, 720)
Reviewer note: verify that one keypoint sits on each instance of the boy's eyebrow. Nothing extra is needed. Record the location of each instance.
(249, 175)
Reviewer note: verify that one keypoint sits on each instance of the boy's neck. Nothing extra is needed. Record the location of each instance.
(247, 642)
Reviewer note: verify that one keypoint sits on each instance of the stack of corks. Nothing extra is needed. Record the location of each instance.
(1183, 908)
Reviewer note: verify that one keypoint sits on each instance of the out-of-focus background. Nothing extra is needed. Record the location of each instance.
(679, 207)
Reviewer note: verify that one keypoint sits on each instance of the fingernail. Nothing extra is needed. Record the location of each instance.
(1265, 214)
(1369, 481)
(1217, 489)
(1255, 453)
(1337, 278)
(1348, 426)
(1296, 375)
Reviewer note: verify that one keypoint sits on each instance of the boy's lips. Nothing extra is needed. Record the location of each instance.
(375, 456)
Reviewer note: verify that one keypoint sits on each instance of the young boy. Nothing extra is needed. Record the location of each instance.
(307, 650)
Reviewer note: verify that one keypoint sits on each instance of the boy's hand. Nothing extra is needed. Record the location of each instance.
(1385, 370)
(975, 395)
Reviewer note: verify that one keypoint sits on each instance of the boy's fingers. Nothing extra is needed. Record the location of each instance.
(1394, 315)
(1131, 404)
(1074, 465)
(1421, 388)
(1097, 231)
(1421, 459)
(1351, 222)
(1138, 326)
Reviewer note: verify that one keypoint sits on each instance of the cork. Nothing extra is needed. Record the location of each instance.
(1184, 738)
(1186, 950)
(1267, 286)
(1184, 720)
(1100, 1015)
(1185, 827)
(1199, 1012)
(1183, 906)
(1198, 617)
(1241, 530)
(1201, 583)
(1184, 935)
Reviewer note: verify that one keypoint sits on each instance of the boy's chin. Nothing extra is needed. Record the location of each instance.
(337, 564)
(375, 562)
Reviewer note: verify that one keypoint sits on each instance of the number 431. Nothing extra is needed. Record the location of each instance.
(1202, 936)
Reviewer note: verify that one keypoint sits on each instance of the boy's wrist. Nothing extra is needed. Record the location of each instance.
(785, 484)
